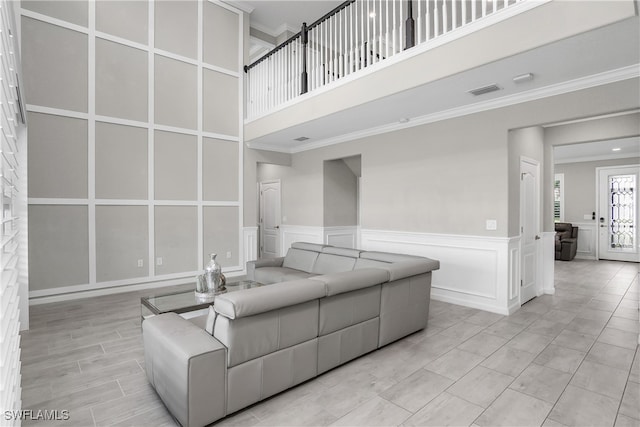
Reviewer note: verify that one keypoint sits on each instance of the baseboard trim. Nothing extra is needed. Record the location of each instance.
(74, 295)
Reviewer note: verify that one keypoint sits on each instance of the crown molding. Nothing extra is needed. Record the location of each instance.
(607, 77)
(239, 4)
(275, 32)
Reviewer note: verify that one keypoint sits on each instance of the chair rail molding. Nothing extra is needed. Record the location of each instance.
(475, 271)
(299, 233)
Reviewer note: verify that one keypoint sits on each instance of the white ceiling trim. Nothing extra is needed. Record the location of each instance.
(596, 158)
(612, 76)
(238, 4)
(275, 32)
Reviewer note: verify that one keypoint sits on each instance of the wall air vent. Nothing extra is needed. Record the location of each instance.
(302, 138)
(485, 89)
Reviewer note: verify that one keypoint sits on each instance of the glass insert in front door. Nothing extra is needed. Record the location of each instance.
(622, 205)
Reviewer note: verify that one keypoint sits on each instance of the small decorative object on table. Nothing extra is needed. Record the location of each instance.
(212, 282)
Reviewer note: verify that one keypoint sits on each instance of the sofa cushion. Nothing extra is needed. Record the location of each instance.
(353, 253)
(251, 337)
(299, 259)
(249, 302)
(328, 263)
(338, 283)
(316, 247)
(344, 310)
(269, 275)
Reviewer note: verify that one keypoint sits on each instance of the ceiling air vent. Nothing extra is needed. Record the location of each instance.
(485, 89)
(302, 138)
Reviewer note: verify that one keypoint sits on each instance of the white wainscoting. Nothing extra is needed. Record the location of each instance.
(587, 239)
(475, 271)
(344, 236)
(250, 240)
(299, 233)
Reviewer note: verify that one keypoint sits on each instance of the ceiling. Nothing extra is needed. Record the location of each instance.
(274, 17)
(600, 150)
(561, 63)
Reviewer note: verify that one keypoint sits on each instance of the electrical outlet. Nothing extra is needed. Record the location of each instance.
(228, 255)
(492, 224)
(140, 263)
(159, 260)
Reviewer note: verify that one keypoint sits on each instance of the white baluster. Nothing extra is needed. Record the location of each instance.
(419, 23)
(351, 31)
(464, 12)
(395, 26)
(367, 47)
(401, 27)
(445, 17)
(386, 29)
(495, 6)
(427, 19)
(474, 12)
(436, 20)
(484, 7)
(454, 14)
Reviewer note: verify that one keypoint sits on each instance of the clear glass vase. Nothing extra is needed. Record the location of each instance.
(213, 275)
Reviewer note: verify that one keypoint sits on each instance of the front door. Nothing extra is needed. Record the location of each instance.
(270, 219)
(529, 228)
(618, 213)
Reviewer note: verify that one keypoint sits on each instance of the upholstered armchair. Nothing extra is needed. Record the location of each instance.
(566, 241)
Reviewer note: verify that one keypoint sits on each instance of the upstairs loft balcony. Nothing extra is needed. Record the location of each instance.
(365, 51)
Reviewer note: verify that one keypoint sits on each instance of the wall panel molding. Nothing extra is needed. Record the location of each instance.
(151, 52)
(587, 239)
(475, 271)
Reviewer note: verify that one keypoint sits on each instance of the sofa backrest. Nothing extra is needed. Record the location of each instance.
(564, 230)
(335, 260)
(299, 259)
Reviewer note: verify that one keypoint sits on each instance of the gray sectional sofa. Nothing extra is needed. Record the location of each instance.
(323, 307)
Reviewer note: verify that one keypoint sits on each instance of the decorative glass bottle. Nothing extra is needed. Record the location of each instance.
(213, 275)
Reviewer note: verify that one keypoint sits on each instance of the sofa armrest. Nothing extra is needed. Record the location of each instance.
(402, 269)
(266, 262)
(187, 367)
(569, 248)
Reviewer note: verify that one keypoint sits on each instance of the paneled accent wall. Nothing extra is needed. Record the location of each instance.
(12, 184)
(135, 141)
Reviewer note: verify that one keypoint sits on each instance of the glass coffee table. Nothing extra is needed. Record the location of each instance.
(186, 303)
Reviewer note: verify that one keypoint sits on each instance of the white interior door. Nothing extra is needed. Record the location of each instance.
(529, 229)
(618, 213)
(270, 219)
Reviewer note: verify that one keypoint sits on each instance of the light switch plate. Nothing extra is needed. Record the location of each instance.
(492, 224)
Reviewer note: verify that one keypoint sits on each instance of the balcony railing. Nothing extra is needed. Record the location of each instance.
(353, 36)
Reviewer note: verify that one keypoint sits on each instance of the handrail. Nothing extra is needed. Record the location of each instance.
(326, 16)
(351, 37)
(331, 13)
(272, 51)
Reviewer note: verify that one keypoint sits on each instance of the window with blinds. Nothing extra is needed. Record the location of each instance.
(12, 120)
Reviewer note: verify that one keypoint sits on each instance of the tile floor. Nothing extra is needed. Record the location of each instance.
(568, 359)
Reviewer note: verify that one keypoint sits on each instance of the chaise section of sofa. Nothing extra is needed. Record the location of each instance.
(341, 303)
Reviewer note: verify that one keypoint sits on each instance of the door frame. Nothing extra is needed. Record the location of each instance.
(598, 213)
(538, 286)
(260, 209)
